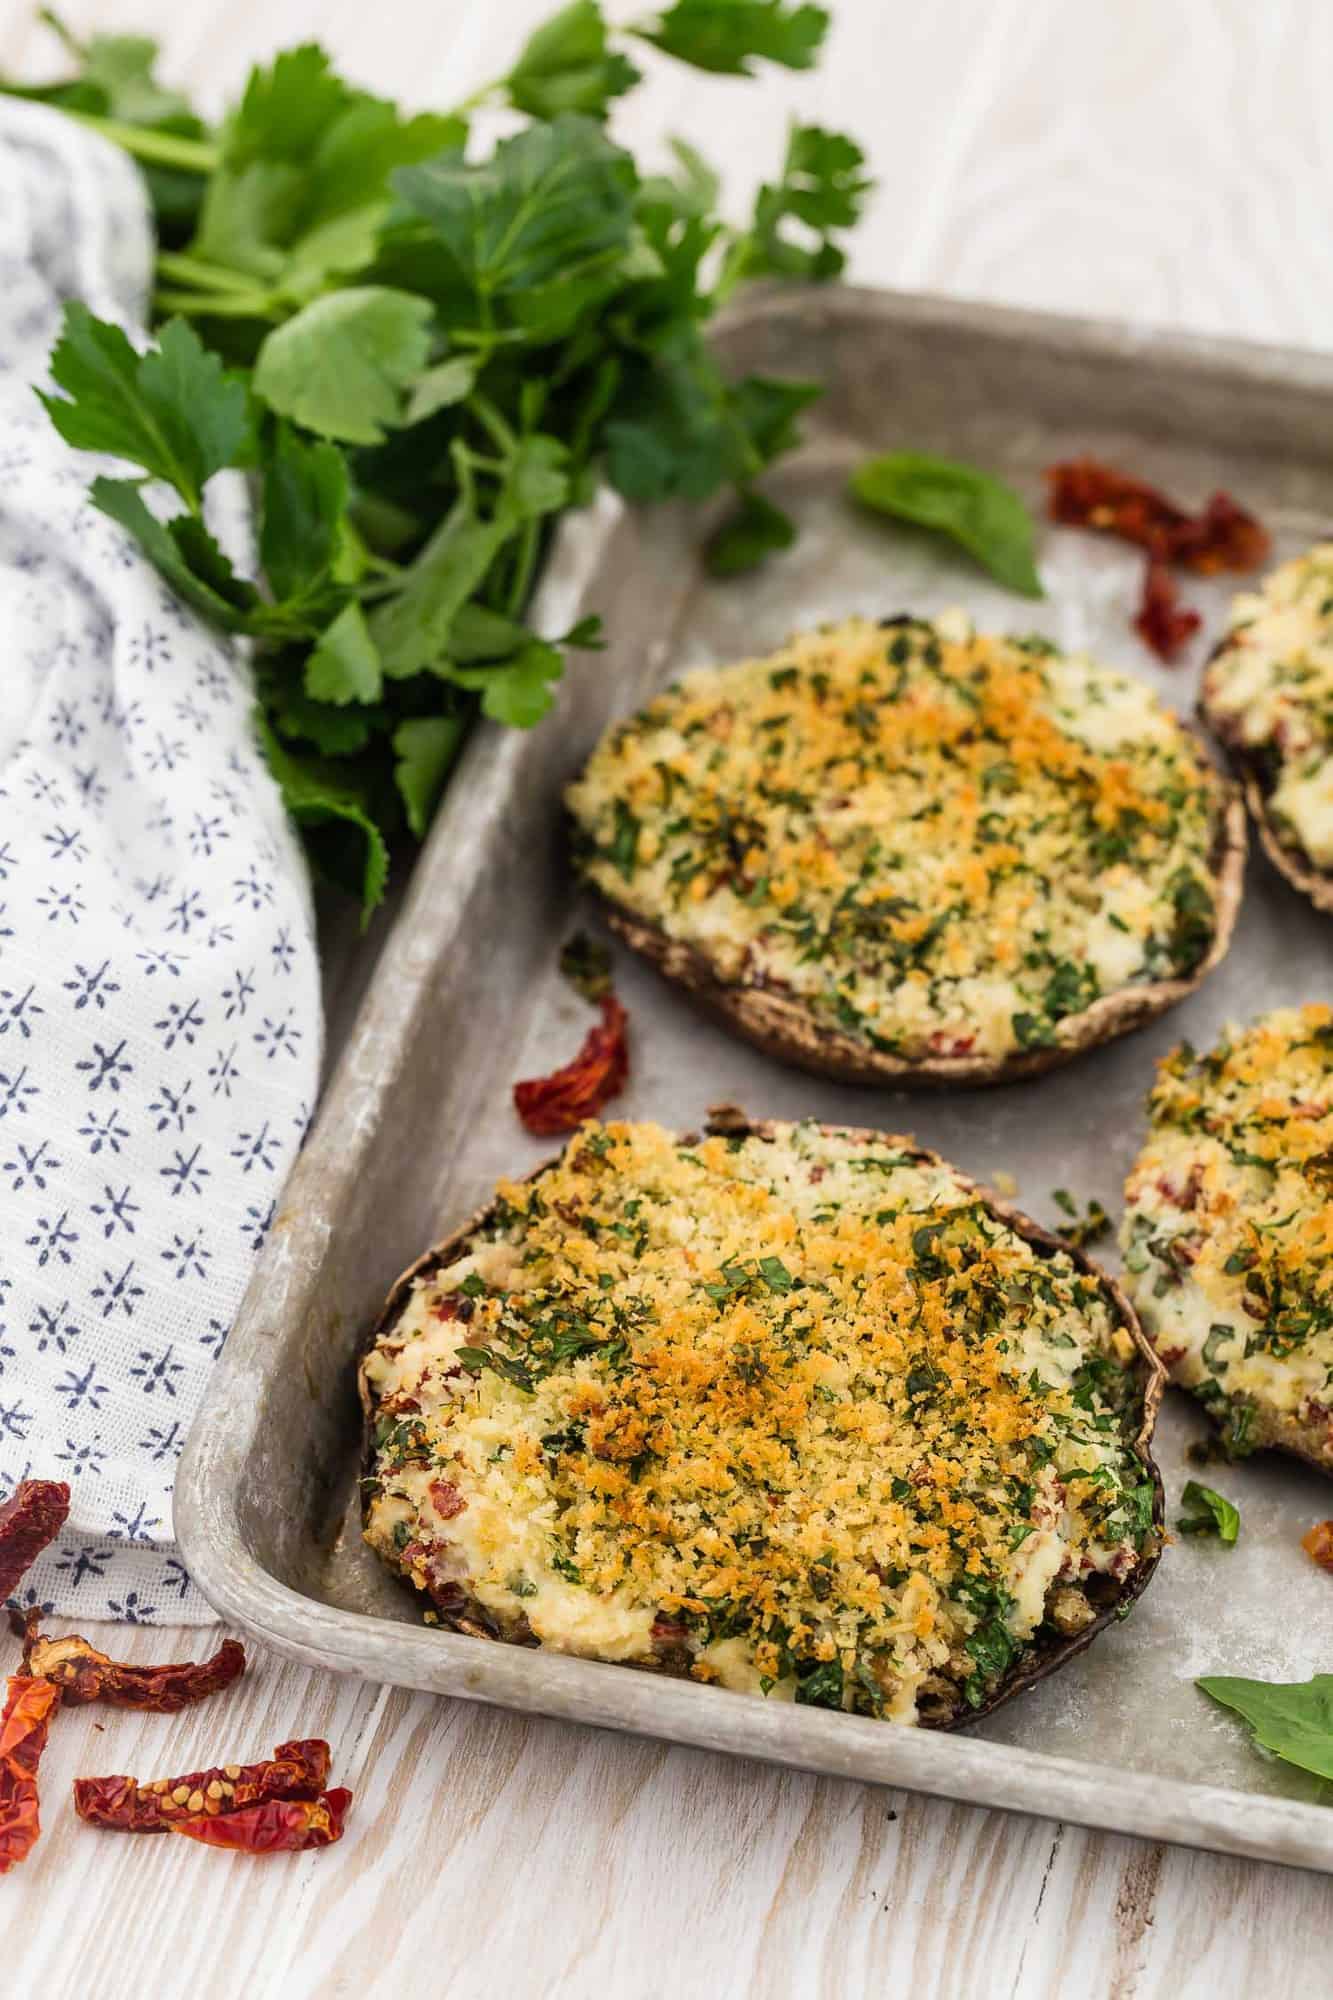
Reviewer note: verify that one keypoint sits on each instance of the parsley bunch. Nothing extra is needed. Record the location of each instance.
(421, 358)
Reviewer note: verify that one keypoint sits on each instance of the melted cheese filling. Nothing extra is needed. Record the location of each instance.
(799, 1413)
(1271, 691)
(1228, 1231)
(944, 843)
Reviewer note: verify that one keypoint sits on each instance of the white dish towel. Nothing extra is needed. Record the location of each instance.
(160, 1023)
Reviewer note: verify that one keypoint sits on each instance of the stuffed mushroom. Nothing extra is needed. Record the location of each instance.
(912, 853)
(1228, 1231)
(1268, 695)
(790, 1409)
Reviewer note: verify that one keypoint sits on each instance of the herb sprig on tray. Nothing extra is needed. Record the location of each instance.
(421, 354)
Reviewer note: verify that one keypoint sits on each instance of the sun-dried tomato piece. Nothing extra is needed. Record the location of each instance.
(560, 1102)
(1223, 537)
(1162, 621)
(83, 1674)
(1085, 493)
(24, 1723)
(279, 1826)
(32, 1517)
(297, 1770)
(1318, 1542)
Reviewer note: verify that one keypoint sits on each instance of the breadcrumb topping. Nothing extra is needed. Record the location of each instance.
(945, 842)
(1228, 1232)
(1270, 691)
(798, 1413)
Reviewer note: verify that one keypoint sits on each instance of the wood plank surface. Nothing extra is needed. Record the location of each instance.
(1171, 163)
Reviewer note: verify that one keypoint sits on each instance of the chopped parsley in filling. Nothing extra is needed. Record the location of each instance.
(1269, 691)
(943, 842)
(797, 1414)
(1228, 1231)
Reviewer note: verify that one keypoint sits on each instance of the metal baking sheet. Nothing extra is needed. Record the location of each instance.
(417, 1123)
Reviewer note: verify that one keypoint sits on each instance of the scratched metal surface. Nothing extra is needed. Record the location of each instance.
(418, 1125)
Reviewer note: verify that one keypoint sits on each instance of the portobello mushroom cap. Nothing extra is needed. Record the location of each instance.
(782, 1026)
(766, 1010)
(1231, 1272)
(1267, 695)
(1101, 1598)
(1252, 771)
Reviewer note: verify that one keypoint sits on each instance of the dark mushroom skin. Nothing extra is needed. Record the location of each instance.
(1108, 1599)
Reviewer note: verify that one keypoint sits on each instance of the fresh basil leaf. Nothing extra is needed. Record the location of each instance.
(342, 365)
(184, 552)
(175, 411)
(979, 512)
(753, 530)
(1294, 1719)
(1208, 1513)
(566, 66)
(344, 839)
(344, 666)
(425, 749)
(726, 35)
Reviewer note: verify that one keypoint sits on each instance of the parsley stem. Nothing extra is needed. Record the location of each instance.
(205, 276)
(528, 544)
(219, 305)
(484, 410)
(160, 149)
(479, 97)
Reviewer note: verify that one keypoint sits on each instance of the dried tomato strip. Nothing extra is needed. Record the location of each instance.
(298, 1770)
(1162, 621)
(560, 1102)
(24, 1723)
(32, 1517)
(279, 1826)
(83, 1674)
(1223, 537)
(1085, 493)
(1318, 1543)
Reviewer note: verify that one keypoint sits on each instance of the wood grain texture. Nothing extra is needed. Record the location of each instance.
(1166, 163)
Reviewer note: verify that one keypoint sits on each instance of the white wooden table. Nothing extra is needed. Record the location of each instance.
(1171, 162)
